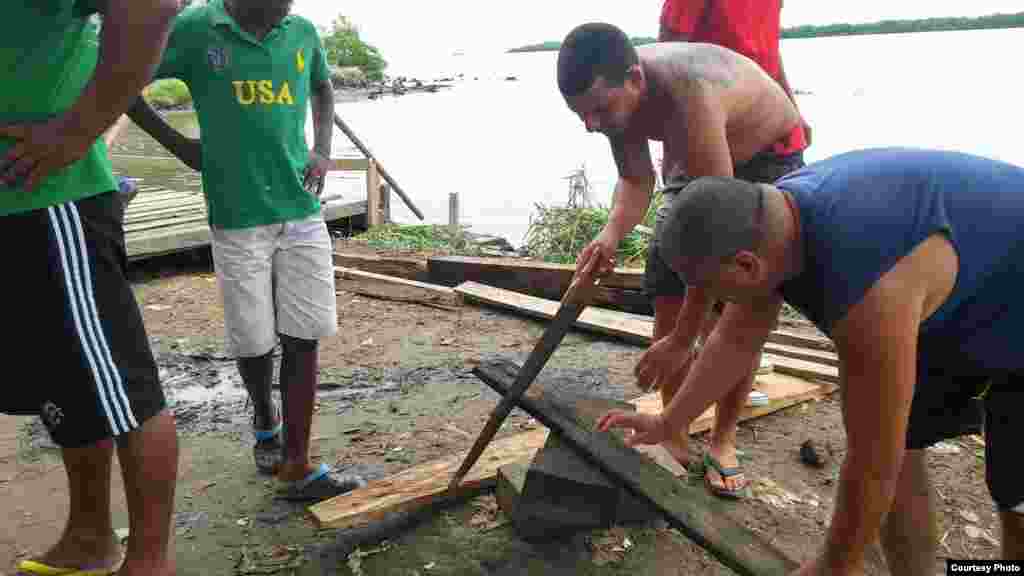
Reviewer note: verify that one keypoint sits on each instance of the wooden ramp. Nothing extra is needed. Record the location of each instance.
(158, 221)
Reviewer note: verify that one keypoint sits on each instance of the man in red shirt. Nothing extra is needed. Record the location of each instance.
(750, 28)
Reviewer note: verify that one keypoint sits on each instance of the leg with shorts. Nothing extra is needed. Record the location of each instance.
(943, 407)
(1003, 473)
(278, 282)
(94, 383)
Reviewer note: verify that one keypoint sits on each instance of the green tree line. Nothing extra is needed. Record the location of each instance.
(991, 21)
(903, 26)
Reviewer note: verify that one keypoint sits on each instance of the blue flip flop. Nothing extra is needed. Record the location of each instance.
(320, 484)
(711, 463)
(268, 451)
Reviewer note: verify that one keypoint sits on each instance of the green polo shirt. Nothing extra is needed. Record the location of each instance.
(48, 51)
(251, 97)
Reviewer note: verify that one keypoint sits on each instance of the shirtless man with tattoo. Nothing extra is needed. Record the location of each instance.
(717, 113)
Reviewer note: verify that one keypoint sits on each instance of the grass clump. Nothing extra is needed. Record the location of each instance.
(167, 93)
(420, 238)
(558, 234)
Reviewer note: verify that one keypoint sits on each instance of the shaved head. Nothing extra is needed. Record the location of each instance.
(712, 219)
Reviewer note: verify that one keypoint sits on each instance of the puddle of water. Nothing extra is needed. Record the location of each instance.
(227, 387)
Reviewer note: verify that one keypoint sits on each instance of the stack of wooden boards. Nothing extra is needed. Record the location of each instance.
(529, 468)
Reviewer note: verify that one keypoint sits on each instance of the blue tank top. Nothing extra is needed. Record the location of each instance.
(862, 211)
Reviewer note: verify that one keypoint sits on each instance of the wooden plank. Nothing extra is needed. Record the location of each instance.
(428, 483)
(392, 288)
(184, 203)
(630, 327)
(171, 221)
(791, 337)
(541, 279)
(421, 485)
(454, 270)
(803, 368)
(782, 390)
(701, 516)
(408, 268)
(167, 241)
(808, 354)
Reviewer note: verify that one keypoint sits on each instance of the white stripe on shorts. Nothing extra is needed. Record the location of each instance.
(71, 246)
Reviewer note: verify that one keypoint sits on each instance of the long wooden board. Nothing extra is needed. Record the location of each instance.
(454, 270)
(630, 327)
(427, 483)
(393, 288)
(701, 516)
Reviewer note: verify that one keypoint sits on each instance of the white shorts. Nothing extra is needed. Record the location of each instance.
(276, 279)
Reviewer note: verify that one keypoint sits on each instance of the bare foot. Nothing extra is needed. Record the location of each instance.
(726, 457)
(87, 553)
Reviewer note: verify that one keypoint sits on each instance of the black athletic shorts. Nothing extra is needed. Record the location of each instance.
(953, 397)
(766, 167)
(86, 366)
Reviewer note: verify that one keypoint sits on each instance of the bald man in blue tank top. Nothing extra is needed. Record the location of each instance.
(912, 262)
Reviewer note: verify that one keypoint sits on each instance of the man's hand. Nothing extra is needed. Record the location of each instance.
(807, 130)
(666, 359)
(316, 171)
(41, 149)
(598, 258)
(646, 428)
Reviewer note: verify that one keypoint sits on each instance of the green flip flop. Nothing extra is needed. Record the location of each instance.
(711, 463)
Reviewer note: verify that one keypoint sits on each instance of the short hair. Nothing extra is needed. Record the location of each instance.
(591, 50)
(712, 218)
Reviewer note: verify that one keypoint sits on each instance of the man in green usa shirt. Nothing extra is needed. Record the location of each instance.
(94, 382)
(252, 70)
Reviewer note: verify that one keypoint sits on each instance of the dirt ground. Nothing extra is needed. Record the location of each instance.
(395, 392)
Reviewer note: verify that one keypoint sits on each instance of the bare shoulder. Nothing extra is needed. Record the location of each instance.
(674, 64)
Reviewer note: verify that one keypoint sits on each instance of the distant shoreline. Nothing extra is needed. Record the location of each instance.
(990, 22)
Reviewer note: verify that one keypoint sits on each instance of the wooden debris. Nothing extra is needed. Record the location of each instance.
(699, 515)
(419, 486)
(422, 485)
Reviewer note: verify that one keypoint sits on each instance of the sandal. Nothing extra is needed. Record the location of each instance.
(36, 568)
(711, 463)
(269, 449)
(321, 484)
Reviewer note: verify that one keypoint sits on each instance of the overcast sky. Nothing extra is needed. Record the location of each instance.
(405, 25)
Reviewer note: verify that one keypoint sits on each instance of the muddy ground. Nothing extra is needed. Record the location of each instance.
(396, 391)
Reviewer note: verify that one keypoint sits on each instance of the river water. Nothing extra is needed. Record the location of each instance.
(506, 145)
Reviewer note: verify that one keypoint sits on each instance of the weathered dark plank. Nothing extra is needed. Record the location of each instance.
(620, 290)
(699, 515)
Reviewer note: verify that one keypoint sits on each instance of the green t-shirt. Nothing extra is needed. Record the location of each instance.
(48, 51)
(251, 98)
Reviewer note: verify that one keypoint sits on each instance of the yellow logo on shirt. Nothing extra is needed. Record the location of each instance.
(249, 91)
(300, 62)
